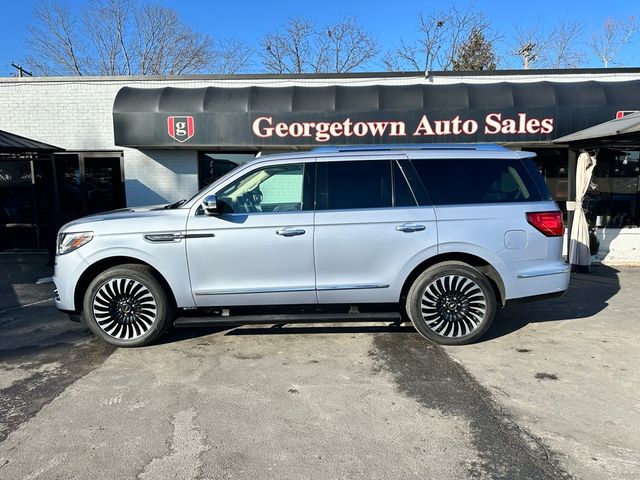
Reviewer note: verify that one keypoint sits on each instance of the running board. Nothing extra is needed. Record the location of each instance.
(287, 318)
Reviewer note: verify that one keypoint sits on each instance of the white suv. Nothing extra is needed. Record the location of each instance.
(436, 234)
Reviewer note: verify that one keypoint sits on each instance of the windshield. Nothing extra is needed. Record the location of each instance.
(199, 192)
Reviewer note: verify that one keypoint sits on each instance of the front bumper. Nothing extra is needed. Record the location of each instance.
(67, 273)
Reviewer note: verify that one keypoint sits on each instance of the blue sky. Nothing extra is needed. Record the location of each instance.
(388, 20)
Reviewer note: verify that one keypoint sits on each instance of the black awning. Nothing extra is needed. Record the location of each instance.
(622, 132)
(299, 116)
(12, 143)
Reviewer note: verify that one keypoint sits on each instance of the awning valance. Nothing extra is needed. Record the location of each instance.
(298, 116)
(619, 132)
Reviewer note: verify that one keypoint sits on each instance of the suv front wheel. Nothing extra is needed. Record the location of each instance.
(126, 306)
(451, 303)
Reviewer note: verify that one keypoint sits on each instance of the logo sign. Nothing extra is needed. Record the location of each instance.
(180, 128)
(624, 113)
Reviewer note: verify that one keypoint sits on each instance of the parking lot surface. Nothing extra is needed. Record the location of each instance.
(549, 393)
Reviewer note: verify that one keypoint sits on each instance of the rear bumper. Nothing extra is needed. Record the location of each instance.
(541, 281)
(534, 298)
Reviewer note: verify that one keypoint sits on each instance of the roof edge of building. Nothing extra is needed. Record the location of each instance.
(486, 74)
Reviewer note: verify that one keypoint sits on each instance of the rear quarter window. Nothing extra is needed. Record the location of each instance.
(477, 180)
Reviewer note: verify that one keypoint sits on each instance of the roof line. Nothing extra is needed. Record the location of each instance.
(317, 76)
(35, 145)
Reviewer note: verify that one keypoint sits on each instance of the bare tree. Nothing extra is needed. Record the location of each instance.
(347, 46)
(615, 35)
(125, 37)
(107, 28)
(565, 41)
(302, 47)
(292, 50)
(558, 46)
(231, 56)
(440, 36)
(54, 42)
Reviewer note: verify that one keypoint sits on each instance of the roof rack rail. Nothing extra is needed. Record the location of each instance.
(409, 146)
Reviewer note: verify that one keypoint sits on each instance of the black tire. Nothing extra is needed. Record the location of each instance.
(127, 306)
(451, 303)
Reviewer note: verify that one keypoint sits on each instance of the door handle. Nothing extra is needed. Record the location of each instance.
(290, 232)
(411, 227)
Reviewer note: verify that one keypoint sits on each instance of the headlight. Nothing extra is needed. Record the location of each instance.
(68, 242)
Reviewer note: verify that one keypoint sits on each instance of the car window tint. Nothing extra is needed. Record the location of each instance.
(271, 189)
(403, 197)
(487, 180)
(355, 184)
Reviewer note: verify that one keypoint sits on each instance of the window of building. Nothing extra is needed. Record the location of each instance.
(212, 166)
(613, 200)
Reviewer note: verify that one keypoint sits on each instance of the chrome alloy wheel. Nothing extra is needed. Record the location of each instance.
(124, 308)
(453, 306)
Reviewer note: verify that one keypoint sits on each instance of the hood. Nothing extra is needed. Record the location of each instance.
(130, 220)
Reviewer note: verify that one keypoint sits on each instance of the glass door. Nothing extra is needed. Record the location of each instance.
(104, 185)
(27, 202)
(89, 182)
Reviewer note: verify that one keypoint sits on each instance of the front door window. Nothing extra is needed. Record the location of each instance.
(271, 189)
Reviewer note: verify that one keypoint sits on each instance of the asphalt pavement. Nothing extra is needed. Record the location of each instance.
(549, 393)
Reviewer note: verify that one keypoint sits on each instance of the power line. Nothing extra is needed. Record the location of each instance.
(21, 71)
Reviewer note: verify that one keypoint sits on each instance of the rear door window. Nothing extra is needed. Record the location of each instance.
(363, 184)
(468, 181)
(402, 194)
(354, 185)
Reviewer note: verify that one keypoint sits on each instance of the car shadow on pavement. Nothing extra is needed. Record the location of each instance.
(588, 294)
(180, 334)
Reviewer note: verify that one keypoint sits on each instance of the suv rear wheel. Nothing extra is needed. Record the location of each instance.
(126, 306)
(451, 303)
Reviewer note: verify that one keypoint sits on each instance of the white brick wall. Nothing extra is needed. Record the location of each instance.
(77, 115)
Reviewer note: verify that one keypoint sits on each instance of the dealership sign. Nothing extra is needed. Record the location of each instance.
(255, 116)
(492, 124)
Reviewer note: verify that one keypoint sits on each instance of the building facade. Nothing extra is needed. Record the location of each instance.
(132, 141)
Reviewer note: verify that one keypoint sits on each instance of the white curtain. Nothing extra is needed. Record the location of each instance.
(579, 253)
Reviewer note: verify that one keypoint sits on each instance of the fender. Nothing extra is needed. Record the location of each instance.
(487, 255)
(173, 269)
(452, 248)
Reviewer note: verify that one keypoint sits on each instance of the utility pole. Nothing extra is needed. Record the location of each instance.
(21, 71)
(527, 54)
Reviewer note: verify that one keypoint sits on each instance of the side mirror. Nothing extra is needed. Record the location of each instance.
(210, 205)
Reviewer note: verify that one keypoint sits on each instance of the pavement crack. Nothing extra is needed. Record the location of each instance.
(183, 460)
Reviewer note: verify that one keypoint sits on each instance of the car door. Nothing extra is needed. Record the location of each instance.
(368, 229)
(259, 248)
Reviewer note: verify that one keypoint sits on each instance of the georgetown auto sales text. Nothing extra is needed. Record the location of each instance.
(494, 124)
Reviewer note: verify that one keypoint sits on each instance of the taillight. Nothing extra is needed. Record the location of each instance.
(549, 223)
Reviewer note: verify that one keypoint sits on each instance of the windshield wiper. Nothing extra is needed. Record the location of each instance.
(175, 204)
